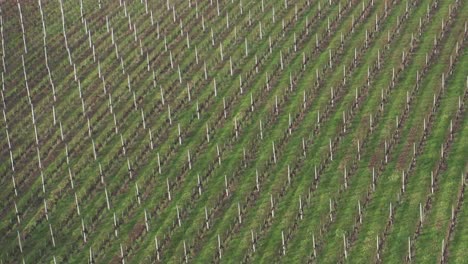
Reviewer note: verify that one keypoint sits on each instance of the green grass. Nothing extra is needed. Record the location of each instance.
(202, 245)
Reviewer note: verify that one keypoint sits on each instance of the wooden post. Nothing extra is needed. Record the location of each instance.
(179, 134)
(283, 243)
(345, 178)
(256, 180)
(116, 231)
(219, 247)
(403, 180)
(218, 154)
(159, 164)
(420, 214)
(212, 37)
(253, 240)
(332, 97)
(251, 103)
(214, 87)
(386, 152)
(146, 221)
(345, 247)
(314, 246)
(344, 122)
(178, 216)
(168, 189)
(199, 185)
(272, 206)
(107, 198)
(171, 60)
(157, 248)
(359, 212)
(178, 71)
(45, 210)
(189, 159)
(261, 130)
(281, 60)
(451, 129)
(276, 104)
(236, 127)
(77, 205)
(378, 242)
(19, 241)
(239, 213)
(185, 253)
(301, 212)
(391, 212)
(274, 152)
(83, 230)
(207, 133)
(226, 185)
(129, 169)
(101, 173)
(409, 248)
(206, 219)
(137, 193)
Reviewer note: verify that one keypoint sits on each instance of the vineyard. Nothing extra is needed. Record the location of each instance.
(234, 131)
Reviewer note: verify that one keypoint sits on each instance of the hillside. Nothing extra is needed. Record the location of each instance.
(234, 131)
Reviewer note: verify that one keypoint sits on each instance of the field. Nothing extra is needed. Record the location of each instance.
(309, 131)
